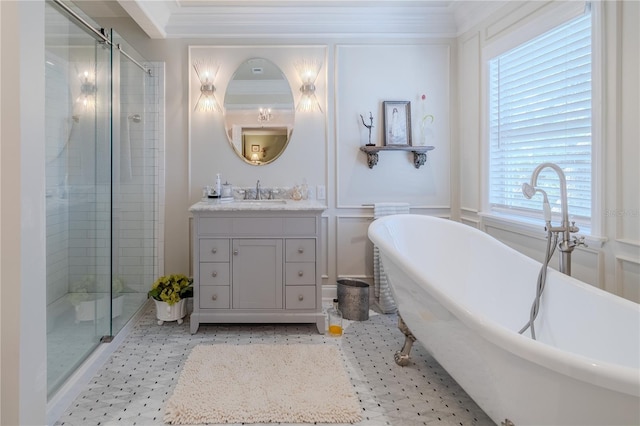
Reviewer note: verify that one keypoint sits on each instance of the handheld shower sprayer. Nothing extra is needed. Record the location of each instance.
(529, 191)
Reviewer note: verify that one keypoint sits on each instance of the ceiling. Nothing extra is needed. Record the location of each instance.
(295, 18)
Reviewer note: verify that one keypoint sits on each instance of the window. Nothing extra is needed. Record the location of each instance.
(540, 111)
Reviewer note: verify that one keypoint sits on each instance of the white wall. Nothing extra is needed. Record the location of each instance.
(23, 335)
(451, 183)
(357, 75)
(360, 77)
(612, 260)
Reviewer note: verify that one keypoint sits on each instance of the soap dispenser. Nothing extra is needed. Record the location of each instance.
(227, 190)
(218, 187)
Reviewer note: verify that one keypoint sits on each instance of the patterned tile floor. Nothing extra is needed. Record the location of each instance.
(133, 385)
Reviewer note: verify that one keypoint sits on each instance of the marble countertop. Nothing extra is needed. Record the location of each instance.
(215, 205)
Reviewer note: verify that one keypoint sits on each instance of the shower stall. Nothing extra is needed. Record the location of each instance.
(102, 145)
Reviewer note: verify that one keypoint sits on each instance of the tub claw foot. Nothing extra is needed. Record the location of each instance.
(401, 359)
(402, 356)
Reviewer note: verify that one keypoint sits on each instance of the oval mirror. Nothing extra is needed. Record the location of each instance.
(259, 111)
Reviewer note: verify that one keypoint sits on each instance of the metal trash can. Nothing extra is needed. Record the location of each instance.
(353, 299)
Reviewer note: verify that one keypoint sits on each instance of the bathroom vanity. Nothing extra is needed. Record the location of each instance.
(257, 262)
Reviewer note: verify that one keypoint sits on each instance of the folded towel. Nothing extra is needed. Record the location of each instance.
(385, 209)
(382, 291)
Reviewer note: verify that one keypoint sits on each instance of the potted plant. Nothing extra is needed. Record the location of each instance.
(169, 293)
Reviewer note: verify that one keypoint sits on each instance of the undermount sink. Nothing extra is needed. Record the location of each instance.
(262, 201)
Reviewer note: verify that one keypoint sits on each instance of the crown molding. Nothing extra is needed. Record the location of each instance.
(291, 18)
(285, 19)
(312, 21)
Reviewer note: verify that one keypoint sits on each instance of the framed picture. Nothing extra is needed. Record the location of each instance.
(255, 148)
(397, 123)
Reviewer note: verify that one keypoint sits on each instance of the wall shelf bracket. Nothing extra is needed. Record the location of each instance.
(419, 153)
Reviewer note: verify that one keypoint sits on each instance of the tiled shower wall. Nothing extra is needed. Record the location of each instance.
(155, 114)
(135, 201)
(60, 122)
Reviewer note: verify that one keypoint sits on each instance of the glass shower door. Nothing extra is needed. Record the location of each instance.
(134, 171)
(78, 194)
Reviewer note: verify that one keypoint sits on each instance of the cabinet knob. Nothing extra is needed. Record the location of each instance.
(300, 273)
(235, 252)
(300, 297)
(214, 274)
(214, 250)
(300, 250)
(214, 297)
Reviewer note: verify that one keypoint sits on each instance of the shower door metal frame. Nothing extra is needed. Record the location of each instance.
(98, 34)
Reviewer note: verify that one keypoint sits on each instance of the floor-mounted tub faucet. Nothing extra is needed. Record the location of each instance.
(566, 243)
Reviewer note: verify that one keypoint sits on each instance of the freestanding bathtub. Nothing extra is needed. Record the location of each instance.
(464, 295)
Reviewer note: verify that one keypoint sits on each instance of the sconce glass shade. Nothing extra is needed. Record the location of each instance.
(206, 72)
(264, 115)
(87, 96)
(308, 72)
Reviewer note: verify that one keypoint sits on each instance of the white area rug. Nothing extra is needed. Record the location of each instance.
(260, 383)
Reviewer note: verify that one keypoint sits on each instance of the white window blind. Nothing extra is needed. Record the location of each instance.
(540, 111)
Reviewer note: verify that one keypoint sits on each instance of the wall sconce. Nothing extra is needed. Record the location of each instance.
(264, 115)
(308, 72)
(87, 98)
(206, 72)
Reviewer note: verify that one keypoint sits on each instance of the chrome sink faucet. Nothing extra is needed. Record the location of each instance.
(258, 196)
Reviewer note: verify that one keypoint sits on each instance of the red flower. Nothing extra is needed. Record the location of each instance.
(424, 97)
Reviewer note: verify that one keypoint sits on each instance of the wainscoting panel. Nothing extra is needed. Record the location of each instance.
(627, 207)
(586, 264)
(628, 278)
(471, 221)
(354, 250)
(324, 256)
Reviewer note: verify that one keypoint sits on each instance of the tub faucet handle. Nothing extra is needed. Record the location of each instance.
(579, 241)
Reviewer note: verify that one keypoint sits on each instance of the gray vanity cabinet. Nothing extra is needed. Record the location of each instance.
(256, 266)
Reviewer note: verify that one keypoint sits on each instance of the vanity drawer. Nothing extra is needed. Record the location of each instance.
(257, 226)
(300, 297)
(300, 273)
(214, 225)
(299, 226)
(215, 273)
(300, 250)
(214, 297)
(214, 250)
